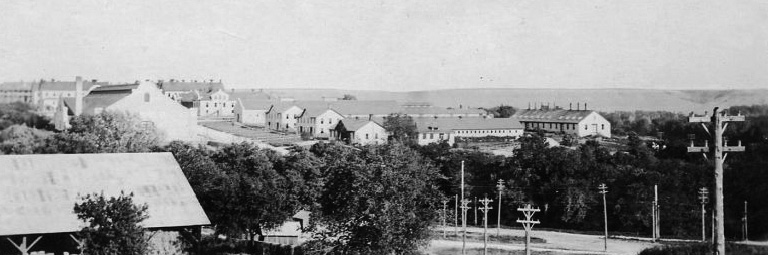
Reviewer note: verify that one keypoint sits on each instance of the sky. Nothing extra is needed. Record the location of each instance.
(396, 45)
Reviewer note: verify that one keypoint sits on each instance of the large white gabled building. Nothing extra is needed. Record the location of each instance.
(577, 122)
(437, 130)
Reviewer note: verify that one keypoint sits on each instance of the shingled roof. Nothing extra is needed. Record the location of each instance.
(448, 124)
(553, 116)
(190, 86)
(67, 85)
(38, 192)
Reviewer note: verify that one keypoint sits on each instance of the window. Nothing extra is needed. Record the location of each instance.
(585, 127)
(602, 126)
(431, 135)
(424, 136)
(322, 121)
(376, 135)
(146, 97)
(146, 125)
(366, 138)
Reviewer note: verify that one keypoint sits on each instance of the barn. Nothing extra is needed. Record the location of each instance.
(38, 194)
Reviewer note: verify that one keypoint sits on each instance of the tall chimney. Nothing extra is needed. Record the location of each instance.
(570, 106)
(585, 106)
(78, 95)
(578, 106)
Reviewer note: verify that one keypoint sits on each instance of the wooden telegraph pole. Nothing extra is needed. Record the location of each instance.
(704, 199)
(464, 208)
(720, 122)
(746, 233)
(500, 186)
(603, 190)
(456, 215)
(528, 224)
(445, 204)
(486, 202)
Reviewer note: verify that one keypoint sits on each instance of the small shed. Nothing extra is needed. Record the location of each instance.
(38, 194)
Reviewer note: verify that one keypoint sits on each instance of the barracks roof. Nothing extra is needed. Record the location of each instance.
(429, 124)
(67, 85)
(38, 192)
(190, 86)
(554, 116)
(354, 124)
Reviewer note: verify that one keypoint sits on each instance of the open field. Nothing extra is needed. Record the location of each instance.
(599, 99)
(554, 242)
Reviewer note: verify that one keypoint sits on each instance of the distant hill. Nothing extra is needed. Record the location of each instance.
(599, 99)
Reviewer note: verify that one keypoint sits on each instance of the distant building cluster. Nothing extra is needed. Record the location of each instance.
(175, 106)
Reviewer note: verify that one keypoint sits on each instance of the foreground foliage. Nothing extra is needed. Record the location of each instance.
(113, 225)
(700, 248)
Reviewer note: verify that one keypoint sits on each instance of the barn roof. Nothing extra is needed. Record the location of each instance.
(38, 192)
(554, 116)
(191, 85)
(353, 124)
(448, 124)
(67, 85)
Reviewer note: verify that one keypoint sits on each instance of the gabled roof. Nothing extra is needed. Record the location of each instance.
(449, 124)
(440, 110)
(255, 104)
(117, 87)
(316, 111)
(38, 192)
(67, 85)
(102, 97)
(353, 124)
(554, 116)
(190, 86)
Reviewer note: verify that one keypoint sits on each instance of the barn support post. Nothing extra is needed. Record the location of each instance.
(23, 247)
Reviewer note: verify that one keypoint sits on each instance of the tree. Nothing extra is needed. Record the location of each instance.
(349, 97)
(378, 200)
(502, 111)
(263, 188)
(113, 225)
(107, 132)
(19, 139)
(401, 128)
(21, 113)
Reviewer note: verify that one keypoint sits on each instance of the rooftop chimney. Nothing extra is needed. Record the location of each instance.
(570, 106)
(585, 106)
(578, 106)
(78, 95)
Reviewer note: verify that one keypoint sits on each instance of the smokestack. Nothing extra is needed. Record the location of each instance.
(529, 105)
(585, 106)
(78, 95)
(570, 106)
(578, 106)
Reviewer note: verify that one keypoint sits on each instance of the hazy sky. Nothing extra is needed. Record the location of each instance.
(392, 44)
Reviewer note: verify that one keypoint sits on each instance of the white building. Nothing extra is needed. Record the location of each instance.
(362, 132)
(282, 116)
(436, 130)
(318, 122)
(46, 94)
(252, 112)
(579, 123)
(173, 121)
(214, 104)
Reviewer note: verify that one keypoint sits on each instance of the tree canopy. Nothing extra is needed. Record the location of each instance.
(113, 225)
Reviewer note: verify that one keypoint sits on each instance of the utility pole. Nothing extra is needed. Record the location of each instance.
(456, 215)
(528, 224)
(720, 122)
(474, 204)
(603, 190)
(746, 233)
(703, 198)
(500, 186)
(464, 208)
(463, 212)
(445, 203)
(655, 213)
(486, 202)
